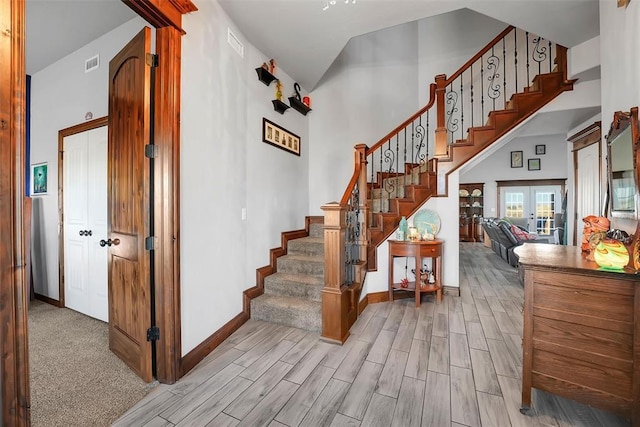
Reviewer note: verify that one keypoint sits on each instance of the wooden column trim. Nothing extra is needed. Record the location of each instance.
(167, 202)
(14, 357)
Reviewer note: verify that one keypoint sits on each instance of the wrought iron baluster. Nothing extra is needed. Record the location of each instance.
(388, 183)
(550, 54)
(452, 122)
(398, 167)
(504, 73)
(471, 93)
(539, 52)
(461, 106)
(404, 160)
(493, 90)
(419, 142)
(426, 156)
(482, 88)
(413, 136)
(527, 44)
(515, 58)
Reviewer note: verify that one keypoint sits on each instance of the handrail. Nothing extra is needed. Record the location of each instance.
(478, 55)
(432, 100)
(352, 184)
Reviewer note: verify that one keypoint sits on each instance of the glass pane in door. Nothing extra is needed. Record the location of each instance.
(514, 204)
(545, 208)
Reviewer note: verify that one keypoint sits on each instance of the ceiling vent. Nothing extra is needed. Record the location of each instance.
(91, 63)
(235, 43)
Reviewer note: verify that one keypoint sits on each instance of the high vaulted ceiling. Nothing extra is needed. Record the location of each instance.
(305, 39)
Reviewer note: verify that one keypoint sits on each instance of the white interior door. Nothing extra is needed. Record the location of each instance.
(587, 186)
(85, 222)
(533, 206)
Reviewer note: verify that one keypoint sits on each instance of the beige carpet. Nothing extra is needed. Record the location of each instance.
(75, 379)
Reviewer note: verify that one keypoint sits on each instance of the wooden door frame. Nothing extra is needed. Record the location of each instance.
(586, 137)
(62, 134)
(14, 359)
(166, 17)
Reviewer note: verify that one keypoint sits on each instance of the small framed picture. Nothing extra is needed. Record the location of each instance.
(534, 164)
(39, 179)
(516, 159)
(279, 137)
(541, 149)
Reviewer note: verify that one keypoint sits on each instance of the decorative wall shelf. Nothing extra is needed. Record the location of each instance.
(298, 105)
(279, 106)
(265, 76)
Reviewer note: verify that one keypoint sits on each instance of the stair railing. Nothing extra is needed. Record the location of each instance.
(506, 65)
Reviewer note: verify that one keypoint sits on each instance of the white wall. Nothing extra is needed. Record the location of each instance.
(378, 81)
(497, 166)
(61, 95)
(619, 47)
(366, 93)
(226, 167)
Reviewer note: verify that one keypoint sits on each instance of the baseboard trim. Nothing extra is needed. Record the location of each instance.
(195, 356)
(452, 290)
(376, 297)
(364, 302)
(48, 300)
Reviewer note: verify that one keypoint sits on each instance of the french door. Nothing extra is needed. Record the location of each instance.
(536, 206)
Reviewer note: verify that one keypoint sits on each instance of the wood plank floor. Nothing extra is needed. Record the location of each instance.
(457, 363)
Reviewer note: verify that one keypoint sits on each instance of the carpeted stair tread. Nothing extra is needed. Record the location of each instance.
(306, 246)
(294, 285)
(301, 264)
(289, 311)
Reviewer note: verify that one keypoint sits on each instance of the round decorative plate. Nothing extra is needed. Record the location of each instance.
(464, 193)
(476, 193)
(428, 221)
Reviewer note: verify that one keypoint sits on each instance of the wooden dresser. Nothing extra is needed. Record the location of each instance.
(581, 337)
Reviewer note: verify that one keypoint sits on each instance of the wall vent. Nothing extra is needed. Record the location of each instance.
(91, 63)
(235, 43)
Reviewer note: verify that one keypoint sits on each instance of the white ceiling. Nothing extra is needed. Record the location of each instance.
(75, 23)
(303, 38)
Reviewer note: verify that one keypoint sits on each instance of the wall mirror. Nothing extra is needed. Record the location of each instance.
(622, 150)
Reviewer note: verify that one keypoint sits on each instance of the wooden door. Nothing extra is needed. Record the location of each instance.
(85, 222)
(129, 205)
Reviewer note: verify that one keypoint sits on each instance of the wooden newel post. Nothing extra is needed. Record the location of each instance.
(441, 145)
(363, 240)
(334, 298)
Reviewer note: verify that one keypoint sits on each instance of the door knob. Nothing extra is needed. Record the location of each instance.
(109, 242)
(88, 233)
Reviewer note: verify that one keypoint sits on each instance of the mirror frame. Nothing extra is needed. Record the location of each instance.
(621, 122)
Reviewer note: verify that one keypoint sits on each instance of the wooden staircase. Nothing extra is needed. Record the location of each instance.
(397, 175)
(522, 105)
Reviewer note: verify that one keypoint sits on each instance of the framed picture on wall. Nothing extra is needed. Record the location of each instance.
(516, 159)
(280, 137)
(534, 164)
(541, 149)
(39, 179)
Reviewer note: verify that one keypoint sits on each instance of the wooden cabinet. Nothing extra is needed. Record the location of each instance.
(581, 335)
(471, 212)
(417, 249)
